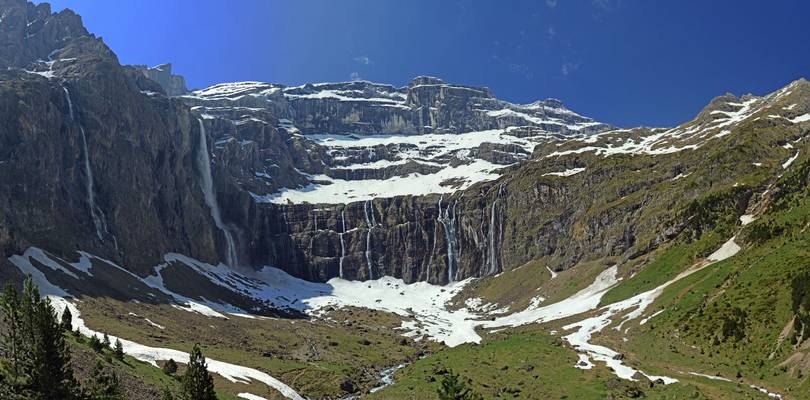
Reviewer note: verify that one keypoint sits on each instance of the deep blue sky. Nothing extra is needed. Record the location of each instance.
(626, 62)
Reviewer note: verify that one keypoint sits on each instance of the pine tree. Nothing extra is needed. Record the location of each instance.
(170, 367)
(10, 338)
(35, 346)
(197, 381)
(119, 350)
(67, 320)
(51, 373)
(96, 344)
(106, 341)
(103, 385)
(454, 389)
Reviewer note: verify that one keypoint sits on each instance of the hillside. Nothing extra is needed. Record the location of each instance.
(348, 239)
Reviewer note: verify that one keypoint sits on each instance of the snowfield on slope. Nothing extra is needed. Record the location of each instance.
(434, 150)
(424, 308)
(58, 298)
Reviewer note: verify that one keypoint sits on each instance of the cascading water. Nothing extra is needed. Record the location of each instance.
(69, 101)
(432, 252)
(368, 208)
(448, 221)
(95, 212)
(207, 186)
(98, 221)
(493, 245)
(342, 244)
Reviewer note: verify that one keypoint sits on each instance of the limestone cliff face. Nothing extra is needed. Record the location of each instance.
(104, 158)
(173, 85)
(88, 161)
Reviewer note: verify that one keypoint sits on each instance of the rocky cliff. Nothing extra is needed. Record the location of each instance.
(173, 85)
(90, 159)
(431, 181)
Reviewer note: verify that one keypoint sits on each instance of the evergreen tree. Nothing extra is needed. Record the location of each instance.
(453, 388)
(67, 320)
(36, 354)
(51, 373)
(103, 385)
(106, 341)
(170, 367)
(197, 381)
(119, 350)
(167, 394)
(11, 338)
(96, 344)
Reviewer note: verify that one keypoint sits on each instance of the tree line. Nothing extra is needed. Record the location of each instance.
(35, 356)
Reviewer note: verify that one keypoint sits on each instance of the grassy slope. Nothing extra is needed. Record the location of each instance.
(686, 337)
(689, 334)
(541, 366)
(314, 357)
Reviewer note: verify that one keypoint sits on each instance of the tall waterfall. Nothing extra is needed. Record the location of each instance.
(70, 102)
(448, 221)
(342, 244)
(493, 250)
(368, 208)
(432, 252)
(207, 185)
(95, 212)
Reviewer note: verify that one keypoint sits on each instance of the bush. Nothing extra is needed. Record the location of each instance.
(453, 388)
(170, 367)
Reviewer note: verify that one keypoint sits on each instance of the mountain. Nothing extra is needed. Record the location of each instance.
(321, 239)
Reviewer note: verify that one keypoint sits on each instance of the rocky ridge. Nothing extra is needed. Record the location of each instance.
(432, 181)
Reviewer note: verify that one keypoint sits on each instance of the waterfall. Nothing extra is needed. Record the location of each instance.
(98, 221)
(342, 244)
(432, 252)
(95, 212)
(493, 249)
(368, 206)
(207, 186)
(315, 219)
(70, 103)
(448, 221)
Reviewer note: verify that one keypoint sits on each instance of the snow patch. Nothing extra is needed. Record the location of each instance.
(790, 161)
(568, 172)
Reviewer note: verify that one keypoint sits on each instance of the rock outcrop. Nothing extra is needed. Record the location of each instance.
(173, 85)
(430, 182)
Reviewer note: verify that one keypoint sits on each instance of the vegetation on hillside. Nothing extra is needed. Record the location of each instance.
(36, 357)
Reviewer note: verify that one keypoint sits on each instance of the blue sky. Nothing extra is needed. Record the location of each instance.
(626, 62)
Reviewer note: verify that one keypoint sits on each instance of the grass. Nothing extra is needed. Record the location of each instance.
(665, 265)
(727, 319)
(314, 357)
(539, 365)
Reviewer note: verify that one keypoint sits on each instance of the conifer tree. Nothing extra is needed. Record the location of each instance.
(96, 344)
(118, 352)
(51, 373)
(106, 341)
(103, 385)
(197, 381)
(453, 388)
(10, 338)
(37, 356)
(67, 320)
